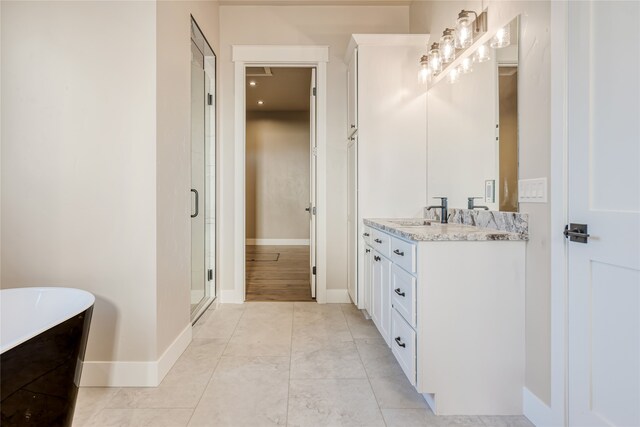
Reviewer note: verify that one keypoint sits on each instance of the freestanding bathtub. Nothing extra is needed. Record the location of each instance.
(43, 336)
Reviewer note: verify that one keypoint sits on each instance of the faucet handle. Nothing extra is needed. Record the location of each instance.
(440, 197)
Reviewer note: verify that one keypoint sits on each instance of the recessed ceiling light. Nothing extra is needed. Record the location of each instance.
(252, 83)
(260, 102)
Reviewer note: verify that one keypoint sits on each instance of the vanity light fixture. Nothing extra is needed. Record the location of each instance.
(482, 54)
(447, 46)
(435, 60)
(260, 102)
(425, 73)
(252, 83)
(467, 29)
(502, 38)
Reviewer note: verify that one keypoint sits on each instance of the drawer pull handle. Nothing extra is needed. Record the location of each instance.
(366, 251)
(376, 258)
(398, 291)
(397, 252)
(365, 234)
(377, 240)
(399, 342)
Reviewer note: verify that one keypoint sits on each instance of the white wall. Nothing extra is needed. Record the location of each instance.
(277, 168)
(78, 171)
(95, 107)
(534, 156)
(300, 25)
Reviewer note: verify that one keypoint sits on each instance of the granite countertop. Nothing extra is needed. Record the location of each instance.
(415, 229)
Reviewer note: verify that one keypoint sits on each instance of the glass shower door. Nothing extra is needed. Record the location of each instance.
(198, 185)
(203, 172)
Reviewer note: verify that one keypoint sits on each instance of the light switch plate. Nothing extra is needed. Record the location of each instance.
(532, 190)
(490, 191)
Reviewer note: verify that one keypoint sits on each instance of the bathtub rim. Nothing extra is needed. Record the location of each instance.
(82, 306)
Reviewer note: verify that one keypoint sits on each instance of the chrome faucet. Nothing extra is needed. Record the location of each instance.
(444, 215)
(471, 204)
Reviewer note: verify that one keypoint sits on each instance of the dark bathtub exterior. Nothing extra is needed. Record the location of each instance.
(40, 377)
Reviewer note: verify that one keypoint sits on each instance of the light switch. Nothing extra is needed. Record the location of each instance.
(532, 190)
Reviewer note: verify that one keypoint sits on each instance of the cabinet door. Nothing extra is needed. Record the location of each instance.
(352, 91)
(366, 271)
(381, 296)
(352, 224)
(385, 309)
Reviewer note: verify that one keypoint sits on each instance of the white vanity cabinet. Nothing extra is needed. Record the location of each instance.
(386, 139)
(453, 314)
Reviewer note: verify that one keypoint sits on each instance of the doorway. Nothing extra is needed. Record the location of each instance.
(280, 183)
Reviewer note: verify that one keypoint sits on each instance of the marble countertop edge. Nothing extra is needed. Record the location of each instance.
(441, 232)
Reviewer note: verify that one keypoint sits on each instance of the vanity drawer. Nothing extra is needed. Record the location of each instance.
(366, 234)
(403, 345)
(381, 242)
(403, 294)
(403, 254)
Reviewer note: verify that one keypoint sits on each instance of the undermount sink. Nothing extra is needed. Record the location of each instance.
(411, 222)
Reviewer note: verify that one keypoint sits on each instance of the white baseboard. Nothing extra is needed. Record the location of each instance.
(277, 242)
(335, 296)
(536, 410)
(135, 374)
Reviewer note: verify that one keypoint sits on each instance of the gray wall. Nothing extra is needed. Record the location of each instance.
(277, 168)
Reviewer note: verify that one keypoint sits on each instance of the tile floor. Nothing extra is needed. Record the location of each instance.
(267, 364)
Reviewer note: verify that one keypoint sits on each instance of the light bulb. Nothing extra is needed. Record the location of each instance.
(502, 38)
(464, 30)
(425, 73)
(453, 76)
(482, 54)
(447, 46)
(466, 66)
(435, 61)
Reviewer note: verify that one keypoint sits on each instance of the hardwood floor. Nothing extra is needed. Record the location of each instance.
(278, 273)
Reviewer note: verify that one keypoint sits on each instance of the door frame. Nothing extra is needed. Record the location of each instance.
(537, 411)
(316, 57)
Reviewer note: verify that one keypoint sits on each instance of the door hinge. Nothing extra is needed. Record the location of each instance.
(210, 275)
(315, 151)
(313, 211)
(314, 91)
(313, 271)
(209, 99)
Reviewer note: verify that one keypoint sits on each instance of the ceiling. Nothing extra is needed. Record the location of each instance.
(285, 89)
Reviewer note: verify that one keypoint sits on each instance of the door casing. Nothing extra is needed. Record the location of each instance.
(278, 56)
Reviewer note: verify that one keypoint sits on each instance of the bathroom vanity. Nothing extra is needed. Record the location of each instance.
(449, 301)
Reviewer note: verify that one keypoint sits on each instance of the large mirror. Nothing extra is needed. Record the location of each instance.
(473, 131)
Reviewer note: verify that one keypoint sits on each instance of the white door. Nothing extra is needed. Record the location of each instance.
(604, 193)
(312, 184)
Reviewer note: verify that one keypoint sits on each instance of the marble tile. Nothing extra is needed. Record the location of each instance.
(220, 323)
(181, 396)
(90, 401)
(506, 421)
(458, 420)
(261, 338)
(335, 360)
(409, 418)
(141, 418)
(245, 391)
(377, 358)
(395, 392)
(362, 328)
(333, 402)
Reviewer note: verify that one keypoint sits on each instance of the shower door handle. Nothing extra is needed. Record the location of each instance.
(193, 190)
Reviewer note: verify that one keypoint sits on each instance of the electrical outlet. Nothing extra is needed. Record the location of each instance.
(532, 190)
